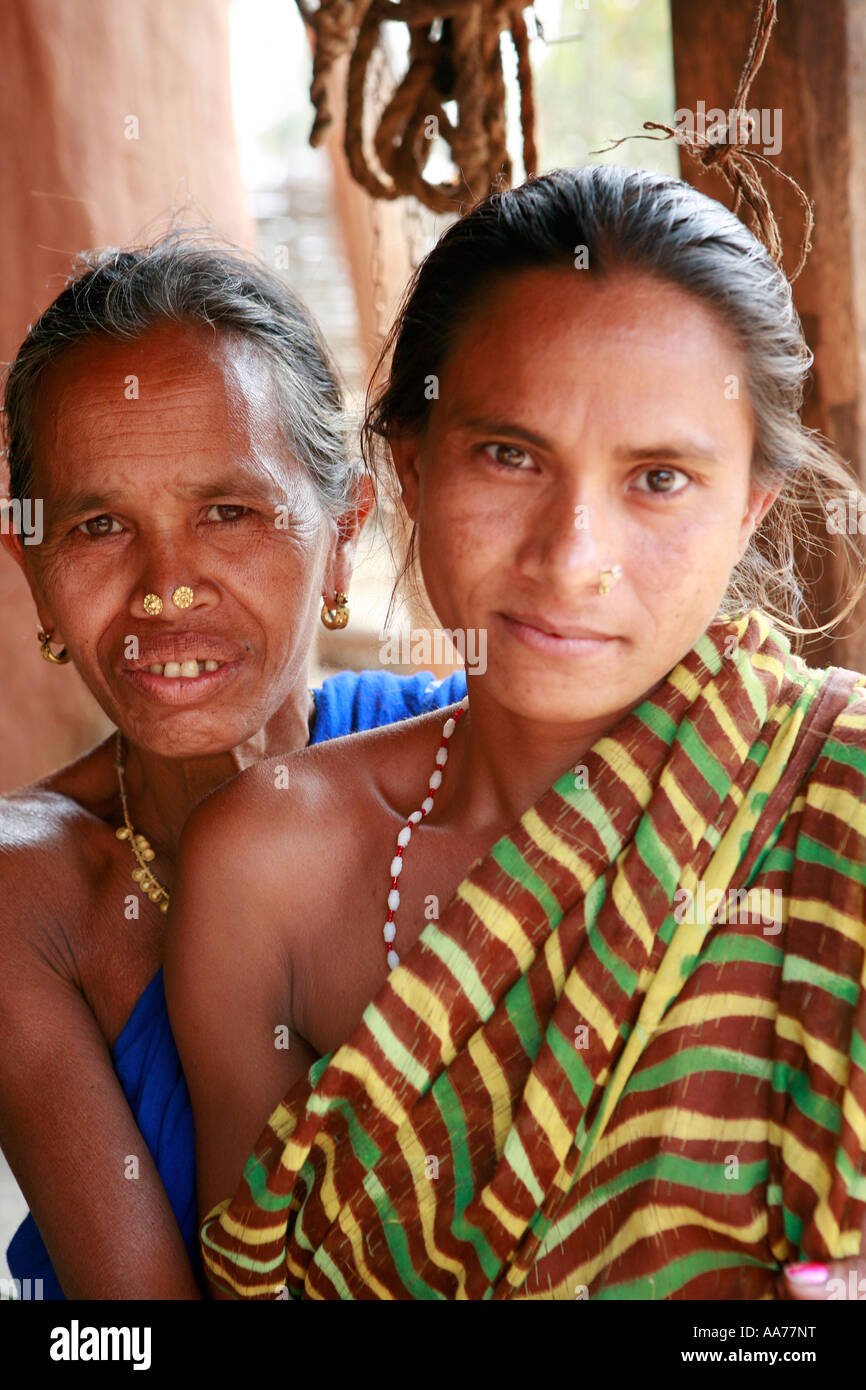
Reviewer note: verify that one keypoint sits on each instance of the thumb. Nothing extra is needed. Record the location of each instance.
(839, 1279)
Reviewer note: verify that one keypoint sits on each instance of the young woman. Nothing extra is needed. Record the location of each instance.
(178, 418)
(563, 993)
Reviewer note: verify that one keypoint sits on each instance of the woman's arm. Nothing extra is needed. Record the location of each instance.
(69, 1136)
(228, 978)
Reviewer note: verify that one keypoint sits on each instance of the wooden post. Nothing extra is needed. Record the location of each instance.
(112, 114)
(814, 73)
(372, 231)
(378, 251)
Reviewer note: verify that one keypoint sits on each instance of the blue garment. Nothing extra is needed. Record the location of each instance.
(145, 1056)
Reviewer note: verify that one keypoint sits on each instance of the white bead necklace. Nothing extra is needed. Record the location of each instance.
(389, 931)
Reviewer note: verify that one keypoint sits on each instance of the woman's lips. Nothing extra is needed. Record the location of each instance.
(183, 690)
(580, 641)
(182, 659)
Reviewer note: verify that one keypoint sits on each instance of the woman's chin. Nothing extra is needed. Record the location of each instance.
(576, 703)
(186, 731)
(182, 738)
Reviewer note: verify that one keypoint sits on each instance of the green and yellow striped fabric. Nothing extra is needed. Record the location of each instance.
(630, 1059)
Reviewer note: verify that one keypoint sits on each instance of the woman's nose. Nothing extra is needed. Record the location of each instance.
(571, 543)
(168, 587)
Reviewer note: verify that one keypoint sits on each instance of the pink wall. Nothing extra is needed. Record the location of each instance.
(71, 178)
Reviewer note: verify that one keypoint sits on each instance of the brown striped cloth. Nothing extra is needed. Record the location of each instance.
(630, 1059)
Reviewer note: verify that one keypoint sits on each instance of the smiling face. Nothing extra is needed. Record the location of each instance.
(188, 484)
(583, 424)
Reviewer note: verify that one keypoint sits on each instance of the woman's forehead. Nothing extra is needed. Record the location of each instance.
(181, 394)
(553, 348)
(558, 303)
(172, 380)
(163, 352)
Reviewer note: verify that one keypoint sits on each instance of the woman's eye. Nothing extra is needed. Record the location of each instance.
(100, 526)
(507, 454)
(663, 480)
(226, 512)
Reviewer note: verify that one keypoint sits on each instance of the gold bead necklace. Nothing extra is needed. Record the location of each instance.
(138, 843)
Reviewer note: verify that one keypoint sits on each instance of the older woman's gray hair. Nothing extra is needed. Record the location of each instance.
(183, 278)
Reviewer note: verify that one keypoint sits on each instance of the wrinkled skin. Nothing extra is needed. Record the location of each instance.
(178, 486)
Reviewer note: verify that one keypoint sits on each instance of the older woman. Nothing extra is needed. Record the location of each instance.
(177, 415)
(583, 1010)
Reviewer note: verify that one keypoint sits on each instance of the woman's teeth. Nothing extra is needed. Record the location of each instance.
(188, 669)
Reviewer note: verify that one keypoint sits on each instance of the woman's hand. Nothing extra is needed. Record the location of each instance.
(70, 1138)
(814, 1282)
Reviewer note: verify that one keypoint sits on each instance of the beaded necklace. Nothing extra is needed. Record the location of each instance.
(138, 843)
(389, 931)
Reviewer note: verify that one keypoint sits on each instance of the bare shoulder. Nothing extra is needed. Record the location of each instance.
(37, 817)
(261, 855)
(274, 897)
(51, 850)
(51, 855)
(330, 784)
(57, 819)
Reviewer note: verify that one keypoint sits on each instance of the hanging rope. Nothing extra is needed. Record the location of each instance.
(735, 159)
(454, 56)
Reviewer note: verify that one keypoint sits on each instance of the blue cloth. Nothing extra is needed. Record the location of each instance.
(145, 1056)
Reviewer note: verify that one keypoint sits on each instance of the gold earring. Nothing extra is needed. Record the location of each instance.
(153, 605)
(338, 616)
(56, 658)
(608, 577)
(182, 596)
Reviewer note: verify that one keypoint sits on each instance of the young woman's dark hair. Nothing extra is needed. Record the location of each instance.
(597, 221)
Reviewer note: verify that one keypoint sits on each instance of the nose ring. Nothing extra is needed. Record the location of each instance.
(152, 605)
(608, 577)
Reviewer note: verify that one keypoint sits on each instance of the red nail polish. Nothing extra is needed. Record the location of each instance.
(808, 1273)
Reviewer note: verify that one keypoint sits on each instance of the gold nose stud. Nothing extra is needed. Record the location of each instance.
(608, 577)
(152, 604)
(183, 596)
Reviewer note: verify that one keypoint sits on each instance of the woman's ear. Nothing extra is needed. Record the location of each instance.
(348, 527)
(405, 451)
(354, 518)
(761, 500)
(12, 543)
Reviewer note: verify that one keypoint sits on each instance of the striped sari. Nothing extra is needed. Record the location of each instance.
(630, 1059)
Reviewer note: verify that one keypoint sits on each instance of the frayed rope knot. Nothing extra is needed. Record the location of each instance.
(454, 56)
(735, 159)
